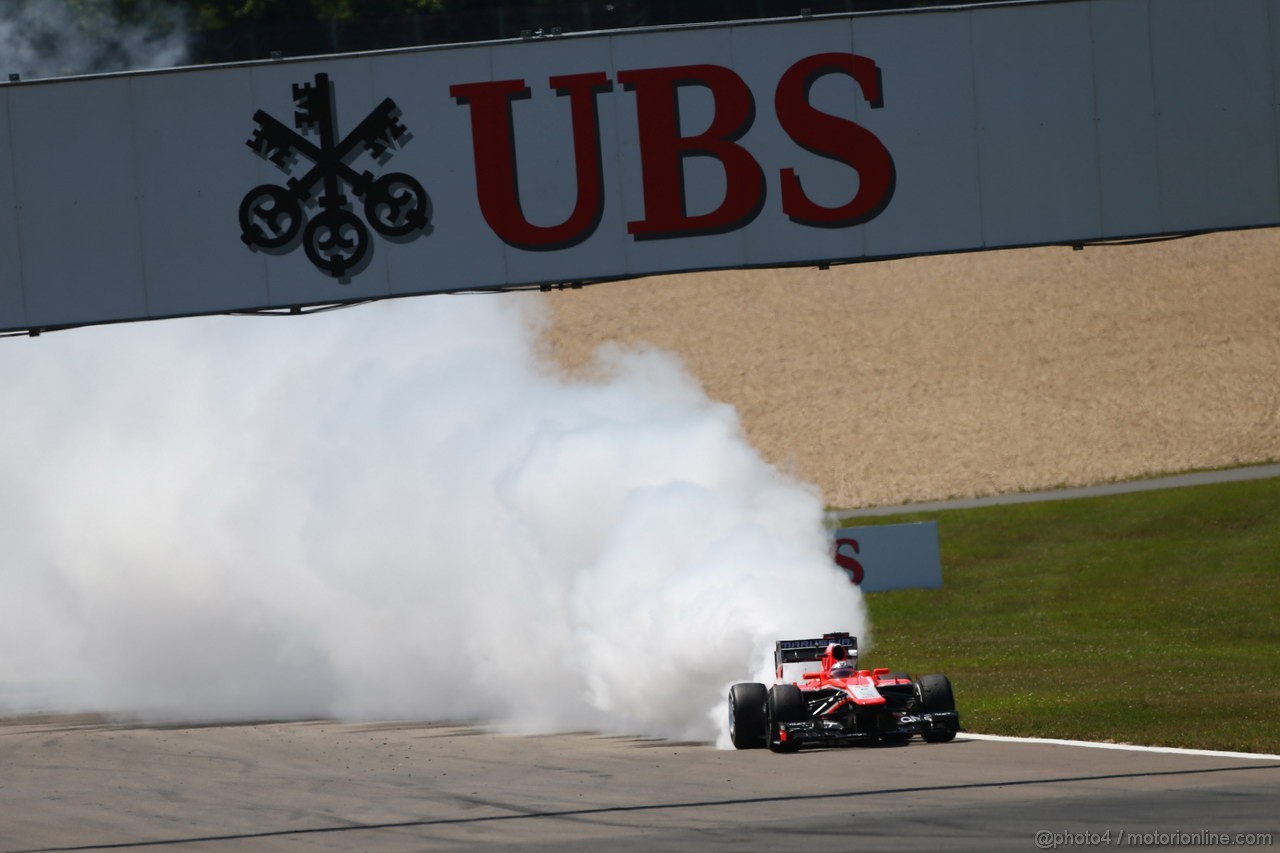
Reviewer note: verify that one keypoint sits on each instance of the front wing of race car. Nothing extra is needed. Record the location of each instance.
(826, 731)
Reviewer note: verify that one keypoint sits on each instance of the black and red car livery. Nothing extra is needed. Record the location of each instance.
(821, 698)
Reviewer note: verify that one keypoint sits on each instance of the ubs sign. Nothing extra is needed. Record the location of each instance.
(663, 150)
(316, 206)
(597, 157)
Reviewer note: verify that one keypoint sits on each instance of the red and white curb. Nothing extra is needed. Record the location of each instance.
(1172, 750)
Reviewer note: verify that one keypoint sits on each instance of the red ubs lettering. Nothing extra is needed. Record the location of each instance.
(663, 150)
(849, 564)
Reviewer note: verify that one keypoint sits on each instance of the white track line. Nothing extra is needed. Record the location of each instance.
(1125, 746)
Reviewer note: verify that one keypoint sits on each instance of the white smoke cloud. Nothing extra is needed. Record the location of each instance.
(394, 511)
(53, 38)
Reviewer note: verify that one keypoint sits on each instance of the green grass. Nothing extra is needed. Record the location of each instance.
(1150, 618)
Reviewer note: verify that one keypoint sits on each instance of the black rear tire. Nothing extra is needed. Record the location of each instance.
(785, 705)
(748, 726)
(936, 697)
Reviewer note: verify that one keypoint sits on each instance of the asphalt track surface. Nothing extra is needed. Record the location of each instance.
(79, 783)
(69, 784)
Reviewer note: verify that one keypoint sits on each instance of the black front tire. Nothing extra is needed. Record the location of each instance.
(748, 725)
(935, 696)
(785, 705)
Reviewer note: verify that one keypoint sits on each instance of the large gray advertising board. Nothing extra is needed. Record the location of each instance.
(576, 159)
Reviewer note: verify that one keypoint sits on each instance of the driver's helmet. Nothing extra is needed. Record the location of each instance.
(841, 665)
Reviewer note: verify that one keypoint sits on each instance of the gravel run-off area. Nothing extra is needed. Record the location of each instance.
(976, 374)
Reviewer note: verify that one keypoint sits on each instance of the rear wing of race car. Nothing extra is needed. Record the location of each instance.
(803, 651)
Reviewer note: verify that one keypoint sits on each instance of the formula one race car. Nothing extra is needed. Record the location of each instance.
(838, 704)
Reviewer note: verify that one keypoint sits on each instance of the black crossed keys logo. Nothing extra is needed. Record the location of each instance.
(272, 217)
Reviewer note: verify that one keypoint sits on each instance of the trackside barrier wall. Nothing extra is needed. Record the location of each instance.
(614, 155)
